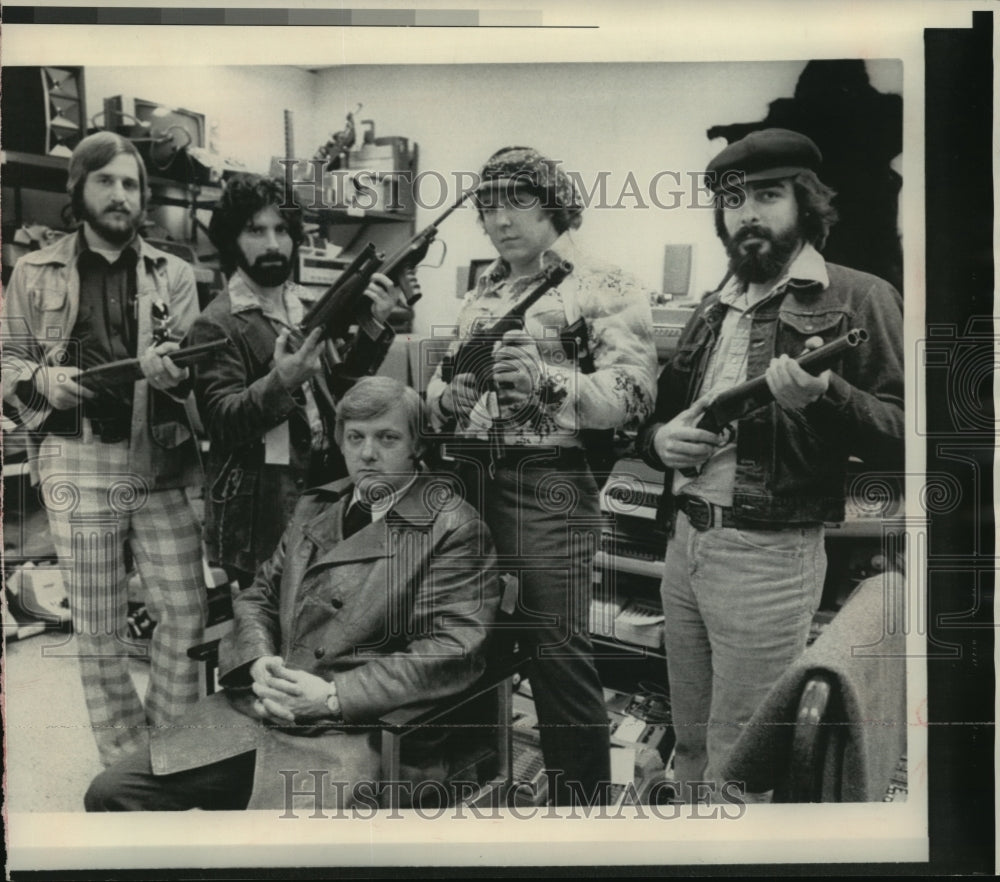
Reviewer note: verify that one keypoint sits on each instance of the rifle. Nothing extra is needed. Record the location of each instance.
(341, 304)
(744, 399)
(399, 267)
(475, 355)
(126, 371)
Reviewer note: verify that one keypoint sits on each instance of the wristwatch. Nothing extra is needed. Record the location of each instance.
(332, 702)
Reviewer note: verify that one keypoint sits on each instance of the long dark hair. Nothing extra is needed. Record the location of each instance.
(244, 195)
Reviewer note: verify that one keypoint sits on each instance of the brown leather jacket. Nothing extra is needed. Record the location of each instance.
(395, 615)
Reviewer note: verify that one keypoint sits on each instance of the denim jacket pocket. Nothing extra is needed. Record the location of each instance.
(797, 327)
(168, 420)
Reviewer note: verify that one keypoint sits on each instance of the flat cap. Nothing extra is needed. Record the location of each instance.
(766, 155)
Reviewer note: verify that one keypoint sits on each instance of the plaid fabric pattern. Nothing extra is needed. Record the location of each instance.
(94, 504)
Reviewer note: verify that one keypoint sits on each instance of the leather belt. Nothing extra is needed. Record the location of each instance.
(704, 515)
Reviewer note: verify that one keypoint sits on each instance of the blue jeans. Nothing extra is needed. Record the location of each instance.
(737, 604)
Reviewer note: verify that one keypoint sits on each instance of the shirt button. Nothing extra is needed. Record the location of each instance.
(299, 483)
(337, 603)
(319, 653)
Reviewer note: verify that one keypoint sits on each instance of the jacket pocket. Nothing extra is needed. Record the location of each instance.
(168, 420)
(49, 299)
(812, 324)
(795, 328)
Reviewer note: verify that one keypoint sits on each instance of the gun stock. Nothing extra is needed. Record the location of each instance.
(475, 355)
(744, 399)
(127, 371)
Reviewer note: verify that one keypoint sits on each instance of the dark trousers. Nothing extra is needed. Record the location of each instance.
(545, 520)
(131, 786)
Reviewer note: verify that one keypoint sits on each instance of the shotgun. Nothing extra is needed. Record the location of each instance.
(744, 399)
(127, 371)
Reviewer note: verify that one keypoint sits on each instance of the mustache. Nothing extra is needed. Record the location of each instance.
(751, 231)
(269, 260)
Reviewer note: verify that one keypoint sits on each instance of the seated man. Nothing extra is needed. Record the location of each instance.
(376, 598)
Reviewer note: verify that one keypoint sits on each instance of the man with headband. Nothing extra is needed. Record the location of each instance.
(541, 502)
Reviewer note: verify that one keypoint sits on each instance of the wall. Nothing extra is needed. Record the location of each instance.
(244, 107)
(618, 118)
(244, 104)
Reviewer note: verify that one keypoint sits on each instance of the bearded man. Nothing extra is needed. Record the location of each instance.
(267, 398)
(745, 561)
(113, 463)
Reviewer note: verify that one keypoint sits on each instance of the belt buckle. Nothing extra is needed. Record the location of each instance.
(699, 513)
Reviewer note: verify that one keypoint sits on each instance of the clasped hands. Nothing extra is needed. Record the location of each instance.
(285, 695)
(518, 370)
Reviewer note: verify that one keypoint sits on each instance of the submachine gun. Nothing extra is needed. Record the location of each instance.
(475, 354)
(127, 370)
(400, 266)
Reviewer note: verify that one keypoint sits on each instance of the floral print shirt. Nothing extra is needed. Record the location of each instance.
(618, 393)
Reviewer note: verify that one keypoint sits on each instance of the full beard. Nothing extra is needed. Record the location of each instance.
(761, 263)
(268, 271)
(110, 226)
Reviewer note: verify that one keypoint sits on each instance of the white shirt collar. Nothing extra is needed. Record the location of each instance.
(808, 267)
(382, 505)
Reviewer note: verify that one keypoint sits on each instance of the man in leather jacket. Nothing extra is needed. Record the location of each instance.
(745, 563)
(379, 596)
(267, 405)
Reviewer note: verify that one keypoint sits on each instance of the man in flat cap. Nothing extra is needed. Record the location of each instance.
(745, 563)
(541, 499)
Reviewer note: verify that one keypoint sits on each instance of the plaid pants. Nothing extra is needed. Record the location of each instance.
(93, 504)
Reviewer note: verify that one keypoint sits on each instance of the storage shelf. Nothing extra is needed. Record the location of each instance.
(620, 646)
(356, 215)
(35, 171)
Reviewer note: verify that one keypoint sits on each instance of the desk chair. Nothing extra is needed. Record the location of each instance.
(834, 726)
(485, 710)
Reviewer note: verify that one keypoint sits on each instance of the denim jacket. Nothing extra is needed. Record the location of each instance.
(791, 466)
